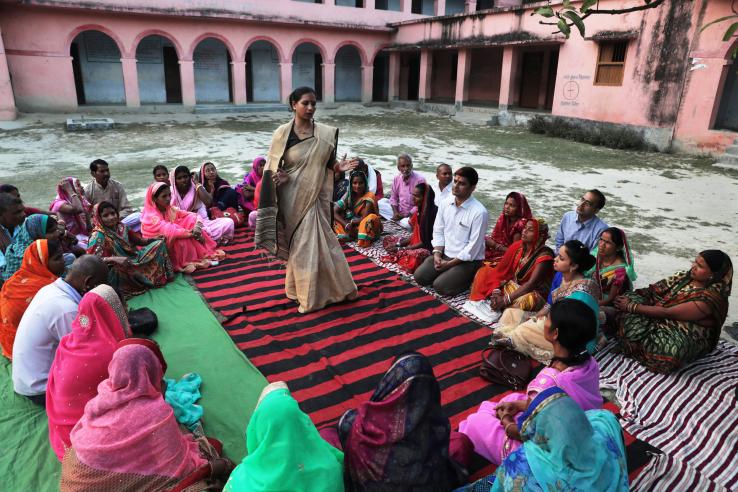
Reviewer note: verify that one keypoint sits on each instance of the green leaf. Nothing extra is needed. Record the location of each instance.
(730, 31)
(567, 4)
(721, 19)
(545, 11)
(564, 27)
(576, 20)
(587, 4)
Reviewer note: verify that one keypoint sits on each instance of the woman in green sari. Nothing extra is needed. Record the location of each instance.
(37, 226)
(676, 320)
(284, 450)
(136, 264)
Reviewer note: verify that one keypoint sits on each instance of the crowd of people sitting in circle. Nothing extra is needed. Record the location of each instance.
(67, 273)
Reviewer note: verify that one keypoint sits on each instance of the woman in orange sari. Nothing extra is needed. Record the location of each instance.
(356, 215)
(43, 262)
(521, 279)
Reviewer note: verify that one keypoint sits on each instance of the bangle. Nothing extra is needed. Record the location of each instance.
(507, 296)
(508, 425)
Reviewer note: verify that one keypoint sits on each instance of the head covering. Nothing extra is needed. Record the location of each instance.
(76, 224)
(540, 233)
(565, 448)
(189, 201)
(718, 262)
(351, 201)
(505, 229)
(400, 437)
(19, 290)
(427, 216)
(81, 361)
(253, 178)
(284, 450)
(219, 184)
(153, 221)
(116, 237)
(630, 272)
(32, 229)
(128, 427)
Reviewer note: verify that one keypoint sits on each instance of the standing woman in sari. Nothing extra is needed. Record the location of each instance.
(73, 209)
(294, 218)
(133, 271)
(677, 320)
(193, 197)
(224, 196)
(37, 226)
(509, 227)
(189, 246)
(410, 252)
(522, 278)
(355, 215)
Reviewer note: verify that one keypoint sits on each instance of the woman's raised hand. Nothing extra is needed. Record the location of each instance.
(347, 165)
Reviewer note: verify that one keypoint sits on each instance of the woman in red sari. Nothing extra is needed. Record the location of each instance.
(509, 227)
(410, 252)
(521, 279)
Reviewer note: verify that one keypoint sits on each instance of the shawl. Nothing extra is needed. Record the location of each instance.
(620, 272)
(75, 223)
(284, 450)
(505, 230)
(581, 383)
(104, 238)
(253, 178)
(427, 216)
(399, 439)
(32, 229)
(565, 448)
(189, 202)
(219, 185)
(174, 223)
(81, 361)
(18, 291)
(281, 210)
(128, 427)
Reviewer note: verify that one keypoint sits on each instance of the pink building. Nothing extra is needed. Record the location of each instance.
(653, 71)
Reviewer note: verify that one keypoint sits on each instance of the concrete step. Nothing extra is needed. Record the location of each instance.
(732, 150)
(728, 161)
(241, 108)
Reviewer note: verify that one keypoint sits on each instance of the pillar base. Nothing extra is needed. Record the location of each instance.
(8, 114)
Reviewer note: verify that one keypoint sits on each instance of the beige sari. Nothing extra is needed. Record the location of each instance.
(294, 221)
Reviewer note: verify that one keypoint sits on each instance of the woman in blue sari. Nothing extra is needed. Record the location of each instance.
(36, 226)
(564, 449)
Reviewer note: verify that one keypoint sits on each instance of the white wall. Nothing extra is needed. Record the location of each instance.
(265, 72)
(211, 72)
(150, 65)
(348, 74)
(303, 66)
(454, 7)
(102, 73)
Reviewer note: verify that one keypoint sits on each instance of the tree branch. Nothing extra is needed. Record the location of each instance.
(637, 8)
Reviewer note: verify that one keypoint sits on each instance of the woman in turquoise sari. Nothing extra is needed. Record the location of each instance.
(564, 449)
(37, 226)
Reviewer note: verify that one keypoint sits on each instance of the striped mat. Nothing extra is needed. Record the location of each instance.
(332, 359)
(690, 415)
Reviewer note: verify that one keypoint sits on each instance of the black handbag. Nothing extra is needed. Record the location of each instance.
(505, 367)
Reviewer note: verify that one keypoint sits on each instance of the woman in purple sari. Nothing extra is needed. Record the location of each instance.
(569, 326)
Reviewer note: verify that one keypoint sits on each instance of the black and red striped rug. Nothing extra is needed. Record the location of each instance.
(332, 359)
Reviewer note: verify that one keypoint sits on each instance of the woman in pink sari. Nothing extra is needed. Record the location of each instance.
(570, 325)
(247, 189)
(73, 209)
(189, 246)
(186, 196)
(81, 361)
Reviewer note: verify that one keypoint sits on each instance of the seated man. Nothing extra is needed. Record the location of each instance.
(582, 223)
(400, 205)
(444, 175)
(458, 239)
(12, 216)
(104, 189)
(47, 319)
(9, 188)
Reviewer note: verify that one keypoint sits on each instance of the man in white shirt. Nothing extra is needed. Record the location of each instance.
(458, 238)
(47, 319)
(444, 175)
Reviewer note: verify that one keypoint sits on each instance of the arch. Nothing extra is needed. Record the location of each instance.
(96, 27)
(157, 69)
(219, 37)
(359, 48)
(269, 40)
(157, 32)
(725, 113)
(97, 67)
(213, 71)
(263, 72)
(379, 49)
(348, 74)
(308, 62)
(380, 76)
(302, 41)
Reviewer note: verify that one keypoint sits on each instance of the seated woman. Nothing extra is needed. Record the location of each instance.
(35, 227)
(224, 196)
(409, 252)
(509, 227)
(42, 264)
(521, 279)
(564, 448)
(127, 438)
(161, 174)
(189, 246)
(569, 327)
(356, 214)
(401, 439)
(255, 212)
(81, 361)
(527, 335)
(284, 450)
(247, 189)
(677, 320)
(133, 271)
(614, 271)
(193, 197)
(73, 209)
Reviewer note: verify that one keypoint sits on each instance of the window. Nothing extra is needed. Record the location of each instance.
(611, 63)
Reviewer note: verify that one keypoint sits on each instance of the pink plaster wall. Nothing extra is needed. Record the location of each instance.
(7, 101)
(443, 79)
(484, 78)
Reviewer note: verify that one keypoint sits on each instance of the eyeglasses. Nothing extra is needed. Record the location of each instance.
(586, 202)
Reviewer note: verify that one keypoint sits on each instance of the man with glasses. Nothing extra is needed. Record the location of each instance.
(583, 224)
